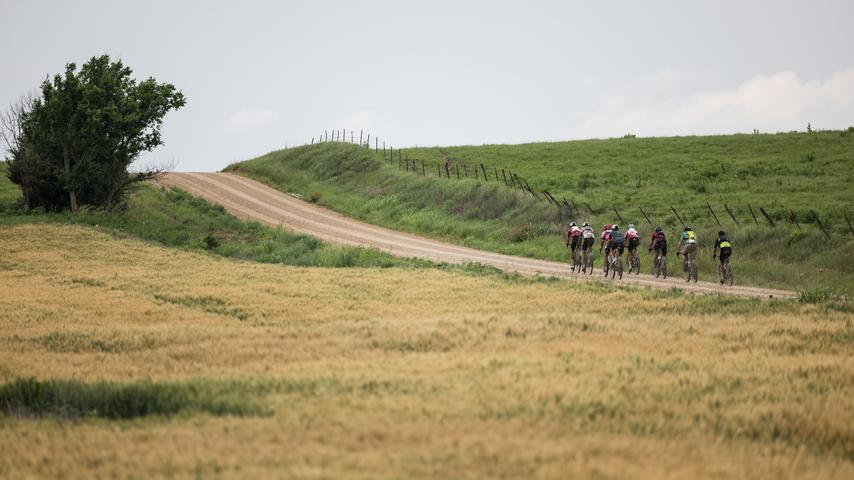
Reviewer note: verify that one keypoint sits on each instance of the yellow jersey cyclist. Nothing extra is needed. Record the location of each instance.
(687, 246)
(725, 247)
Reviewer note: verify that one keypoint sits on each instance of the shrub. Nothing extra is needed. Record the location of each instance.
(314, 197)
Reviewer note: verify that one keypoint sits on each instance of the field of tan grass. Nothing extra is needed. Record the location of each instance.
(414, 372)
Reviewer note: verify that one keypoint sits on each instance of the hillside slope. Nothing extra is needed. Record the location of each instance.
(489, 215)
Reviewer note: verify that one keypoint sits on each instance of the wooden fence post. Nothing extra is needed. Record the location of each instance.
(713, 213)
(677, 216)
(360, 137)
(351, 136)
(383, 149)
(326, 135)
(752, 214)
(438, 170)
(767, 217)
(815, 216)
(644, 215)
(484, 173)
(795, 219)
(447, 170)
(618, 215)
(344, 134)
(376, 144)
(312, 140)
(414, 167)
(457, 168)
(504, 175)
(592, 212)
(730, 214)
(423, 169)
(476, 174)
(368, 143)
(466, 170)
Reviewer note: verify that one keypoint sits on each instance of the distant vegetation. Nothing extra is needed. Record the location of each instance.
(71, 145)
(771, 171)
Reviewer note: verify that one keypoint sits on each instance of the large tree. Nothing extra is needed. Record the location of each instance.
(85, 130)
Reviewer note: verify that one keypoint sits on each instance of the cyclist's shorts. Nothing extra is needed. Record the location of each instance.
(661, 247)
(633, 244)
(618, 247)
(587, 244)
(690, 250)
(573, 243)
(726, 252)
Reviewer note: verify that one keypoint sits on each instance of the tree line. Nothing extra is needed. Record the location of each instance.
(71, 143)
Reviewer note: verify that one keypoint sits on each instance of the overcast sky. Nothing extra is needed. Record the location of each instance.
(262, 75)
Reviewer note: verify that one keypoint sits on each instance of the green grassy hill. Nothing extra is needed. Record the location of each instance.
(777, 172)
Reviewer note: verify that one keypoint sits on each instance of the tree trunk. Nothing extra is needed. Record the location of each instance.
(72, 195)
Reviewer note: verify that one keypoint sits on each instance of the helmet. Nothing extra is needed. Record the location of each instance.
(572, 224)
(631, 225)
(607, 226)
(586, 224)
(687, 228)
(721, 233)
(657, 229)
(615, 227)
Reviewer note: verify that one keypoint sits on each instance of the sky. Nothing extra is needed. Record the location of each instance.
(259, 76)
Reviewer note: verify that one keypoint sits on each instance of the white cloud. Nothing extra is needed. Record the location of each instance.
(250, 119)
(781, 101)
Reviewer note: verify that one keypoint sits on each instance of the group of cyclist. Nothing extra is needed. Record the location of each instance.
(615, 242)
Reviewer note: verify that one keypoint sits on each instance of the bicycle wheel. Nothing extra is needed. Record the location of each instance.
(620, 267)
(663, 267)
(590, 263)
(728, 277)
(656, 267)
(688, 267)
(636, 262)
(694, 271)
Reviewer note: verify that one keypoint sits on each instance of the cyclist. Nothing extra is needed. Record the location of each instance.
(615, 242)
(723, 244)
(658, 242)
(588, 237)
(633, 240)
(573, 235)
(604, 242)
(687, 246)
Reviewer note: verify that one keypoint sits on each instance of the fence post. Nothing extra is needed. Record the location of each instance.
(344, 134)
(368, 143)
(730, 214)
(496, 173)
(513, 180)
(795, 219)
(351, 136)
(457, 168)
(752, 214)
(438, 170)
(383, 149)
(376, 144)
(476, 174)
(360, 137)
(414, 167)
(312, 140)
(767, 217)
(484, 173)
(677, 216)
(644, 215)
(504, 175)
(592, 212)
(815, 216)
(713, 213)
(618, 215)
(447, 171)
(466, 170)
(326, 136)
(423, 169)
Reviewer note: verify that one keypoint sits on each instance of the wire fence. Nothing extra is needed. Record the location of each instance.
(729, 214)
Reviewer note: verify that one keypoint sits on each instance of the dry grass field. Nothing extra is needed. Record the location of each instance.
(403, 372)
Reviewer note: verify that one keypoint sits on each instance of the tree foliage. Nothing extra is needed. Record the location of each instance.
(72, 145)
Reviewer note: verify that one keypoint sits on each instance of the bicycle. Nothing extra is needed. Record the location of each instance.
(575, 259)
(727, 276)
(616, 267)
(690, 267)
(659, 266)
(634, 263)
(587, 262)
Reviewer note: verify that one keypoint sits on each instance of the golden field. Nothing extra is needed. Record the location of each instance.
(414, 373)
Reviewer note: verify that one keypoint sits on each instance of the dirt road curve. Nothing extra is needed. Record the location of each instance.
(248, 199)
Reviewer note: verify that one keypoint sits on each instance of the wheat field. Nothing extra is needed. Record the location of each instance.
(406, 372)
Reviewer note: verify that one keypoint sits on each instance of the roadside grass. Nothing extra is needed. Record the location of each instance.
(490, 216)
(175, 218)
(400, 372)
